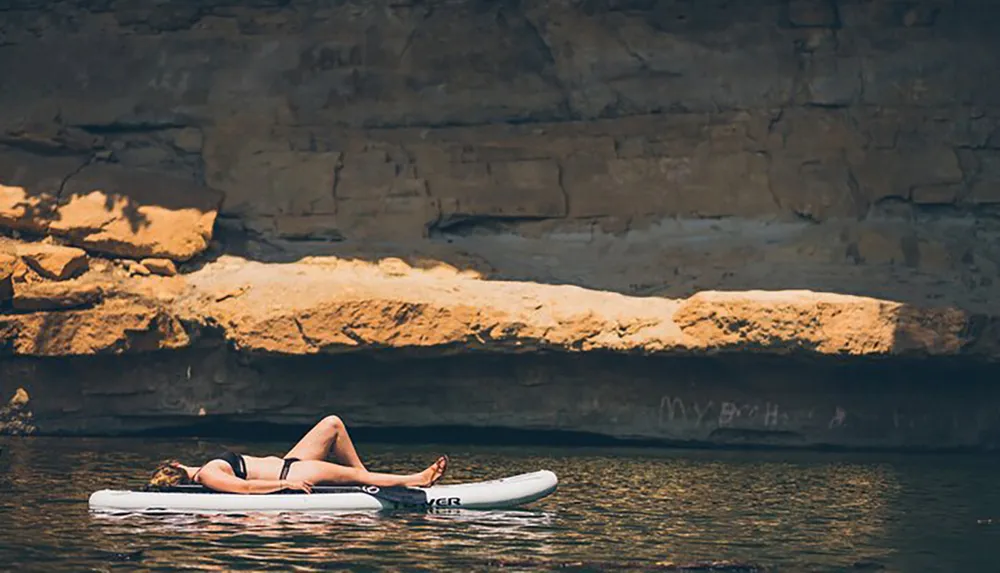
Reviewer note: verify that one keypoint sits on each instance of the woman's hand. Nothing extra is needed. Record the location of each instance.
(297, 485)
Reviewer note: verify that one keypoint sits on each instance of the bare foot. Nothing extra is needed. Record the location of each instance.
(435, 472)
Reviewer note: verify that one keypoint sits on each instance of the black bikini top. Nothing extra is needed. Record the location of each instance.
(236, 462)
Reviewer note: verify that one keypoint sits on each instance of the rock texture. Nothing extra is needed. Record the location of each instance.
(106, 208)
(129, 353)
(315, 181)
(337, 304)
(363, 120)
(53, 261)
(42, 296)
(746, 400)
(162, 267)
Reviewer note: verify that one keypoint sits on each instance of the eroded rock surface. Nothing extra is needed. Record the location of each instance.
(340, 304)
(812, 178)
(616, 113)
(54, 261)
(106, 208)
(55, 296)
(743, 400)
(162, 267)
(115, 210)
(222, 341)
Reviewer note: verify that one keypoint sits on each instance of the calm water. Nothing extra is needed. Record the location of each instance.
(616, 509)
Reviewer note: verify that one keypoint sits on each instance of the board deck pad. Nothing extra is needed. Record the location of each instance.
(399, 496)
(505, 492)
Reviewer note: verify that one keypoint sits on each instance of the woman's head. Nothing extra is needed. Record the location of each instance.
(168, 474)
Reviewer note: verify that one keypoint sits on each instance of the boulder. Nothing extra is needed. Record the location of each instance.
(30, 297)
(136, 214)
(54, 261)
(162, 267)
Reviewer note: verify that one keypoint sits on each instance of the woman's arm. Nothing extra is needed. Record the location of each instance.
(221, 481)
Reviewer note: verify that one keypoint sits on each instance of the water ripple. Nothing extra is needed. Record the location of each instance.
(615, 510)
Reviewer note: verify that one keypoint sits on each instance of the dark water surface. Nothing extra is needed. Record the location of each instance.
(616, 509)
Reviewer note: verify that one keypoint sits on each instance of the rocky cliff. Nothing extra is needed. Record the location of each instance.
(258, 186)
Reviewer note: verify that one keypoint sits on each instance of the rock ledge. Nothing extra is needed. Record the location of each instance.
(330, 305)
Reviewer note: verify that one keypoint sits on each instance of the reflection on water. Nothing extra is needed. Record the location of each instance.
(343, 537)
(615, 509)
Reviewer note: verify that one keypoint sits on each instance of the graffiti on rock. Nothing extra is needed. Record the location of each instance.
(726, 413)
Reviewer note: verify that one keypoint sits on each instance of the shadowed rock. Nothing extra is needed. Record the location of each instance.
(106, 208)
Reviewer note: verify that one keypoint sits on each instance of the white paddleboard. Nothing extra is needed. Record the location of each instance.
(495, 494)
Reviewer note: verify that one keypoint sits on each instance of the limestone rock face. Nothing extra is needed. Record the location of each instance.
(29, 188)
(814, 178)
(133, 214)
(106, 208)
(225, 339)
(111, 328)
(622, 114)
(335, 305)
(54, 261)
(824, 323)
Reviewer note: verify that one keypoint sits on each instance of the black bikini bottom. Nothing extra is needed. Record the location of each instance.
(285, 466)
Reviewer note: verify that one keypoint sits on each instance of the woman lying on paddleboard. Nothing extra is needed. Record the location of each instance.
(301, 468)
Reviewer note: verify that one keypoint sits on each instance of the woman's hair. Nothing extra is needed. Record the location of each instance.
(169, 474)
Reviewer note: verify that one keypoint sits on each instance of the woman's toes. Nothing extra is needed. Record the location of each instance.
(440, 467)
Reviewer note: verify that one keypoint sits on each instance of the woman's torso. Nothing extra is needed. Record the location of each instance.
(257, 468)
(263, 468)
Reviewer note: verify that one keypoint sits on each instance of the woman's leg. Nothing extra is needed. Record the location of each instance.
(328, 435)
(320, 472)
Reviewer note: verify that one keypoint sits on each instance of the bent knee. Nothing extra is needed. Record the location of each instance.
(333, 421)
